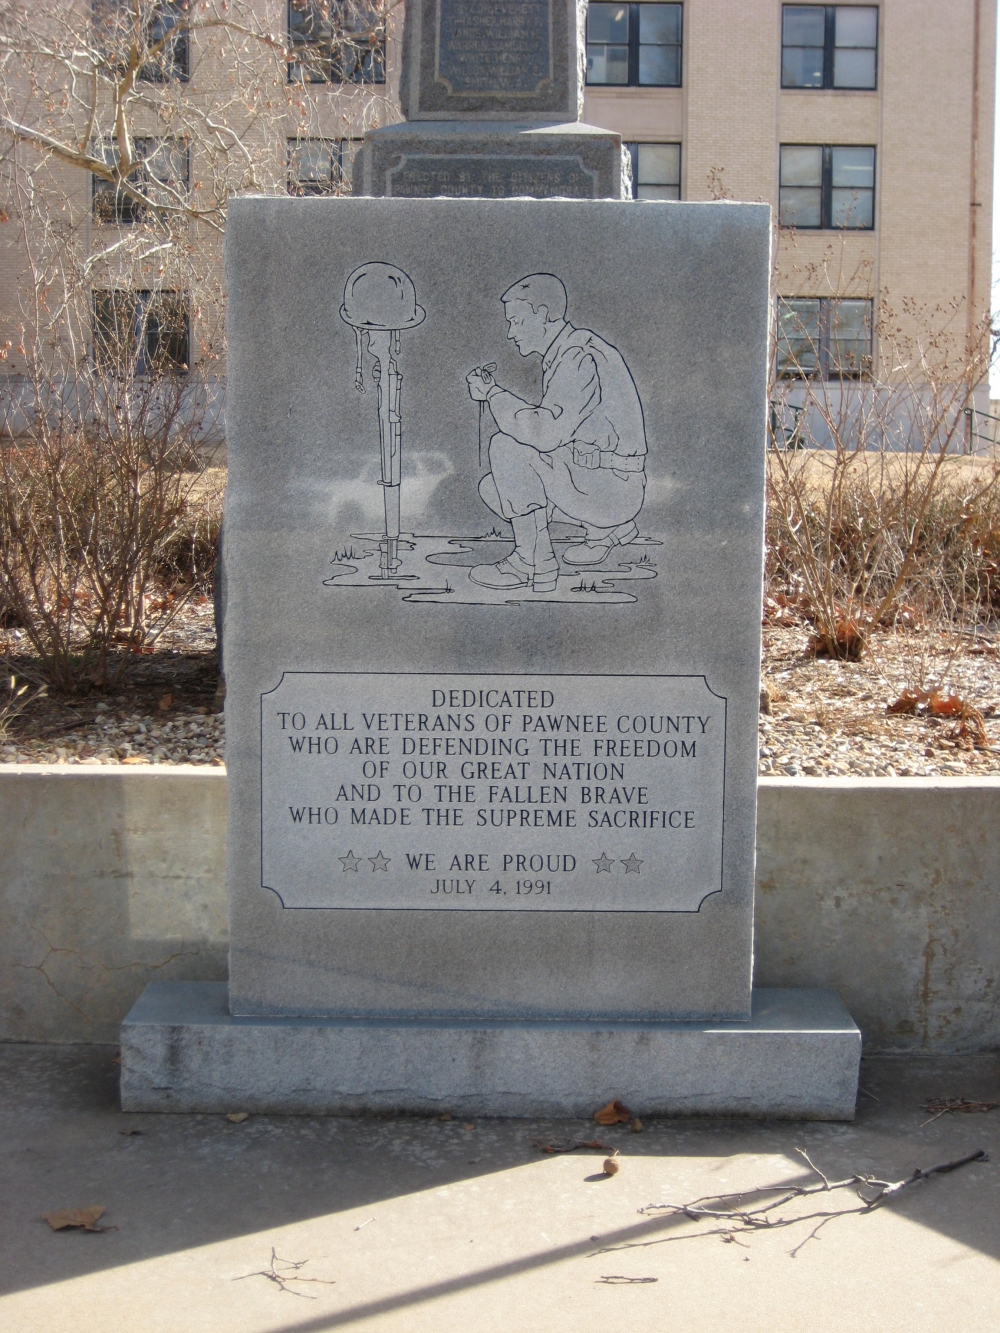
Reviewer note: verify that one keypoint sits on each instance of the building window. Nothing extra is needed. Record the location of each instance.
(116, 20)
(637, 45)
(656, 170)
(141, 332)
(828, 46)
(826, 186)
(173, 59)
(336, 41)
(161, 174)
(826, 338)
(321, 166)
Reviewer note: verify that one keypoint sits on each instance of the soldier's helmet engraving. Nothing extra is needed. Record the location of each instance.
(381, 296)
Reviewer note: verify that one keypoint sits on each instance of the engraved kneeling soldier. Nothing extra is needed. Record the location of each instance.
(578, 455)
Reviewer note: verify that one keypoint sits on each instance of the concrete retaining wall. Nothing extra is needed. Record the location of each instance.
(887, 890)
(109, 877)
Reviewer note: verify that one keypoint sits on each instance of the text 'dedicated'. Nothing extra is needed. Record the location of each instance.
(492, 793)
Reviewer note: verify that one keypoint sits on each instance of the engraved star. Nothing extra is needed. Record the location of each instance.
(633, 863)
(350, 861)
(605, 862)
(380, 862)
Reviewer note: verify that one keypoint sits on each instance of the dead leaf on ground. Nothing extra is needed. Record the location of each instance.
(615, 1113)
(906, 703)
(939, 1106)
(165, 702)
(946, 705)
(935, 702)
(85, 1219)
(846, 643)
(970, 731)
(237, 1117)
(781, 609)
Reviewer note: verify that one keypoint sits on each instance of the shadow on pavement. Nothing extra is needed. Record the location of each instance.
(186, 1181)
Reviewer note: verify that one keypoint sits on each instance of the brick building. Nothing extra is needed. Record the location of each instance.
(869, 128)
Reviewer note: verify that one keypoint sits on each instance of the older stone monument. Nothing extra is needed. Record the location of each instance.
(494, 543)
(492, 94)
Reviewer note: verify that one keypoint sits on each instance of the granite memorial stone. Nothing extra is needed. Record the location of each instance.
(492, 95)
(494, 534)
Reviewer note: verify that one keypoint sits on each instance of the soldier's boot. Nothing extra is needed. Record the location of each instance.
(532, 563)
(598, 544)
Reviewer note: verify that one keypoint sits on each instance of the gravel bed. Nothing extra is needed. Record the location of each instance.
(164, 713)
(118, 737)
(829, 718)
(826, 718)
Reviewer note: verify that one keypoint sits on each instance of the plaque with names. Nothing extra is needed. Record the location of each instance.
(502, 49)
(502, 60)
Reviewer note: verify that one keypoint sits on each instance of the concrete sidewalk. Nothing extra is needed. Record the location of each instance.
(424, 1225)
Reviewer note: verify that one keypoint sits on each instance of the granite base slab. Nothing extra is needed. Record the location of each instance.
(492, 160)
(796, 1058)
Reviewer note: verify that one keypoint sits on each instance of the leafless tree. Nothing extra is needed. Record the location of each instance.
(129, 125)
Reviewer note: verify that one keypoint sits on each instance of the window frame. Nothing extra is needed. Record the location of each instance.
(337, 163)
(825, 311)
(176, 52)
(142, 175)
(634, 48)
(830, 49)
(175, 59)
(633, 147)
(142, 302)
(826, 186)
(327, 64)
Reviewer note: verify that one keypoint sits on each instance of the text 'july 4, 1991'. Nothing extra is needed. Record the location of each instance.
(554, 793)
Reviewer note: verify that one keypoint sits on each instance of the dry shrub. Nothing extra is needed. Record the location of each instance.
(127, 128)
(861, 557)
(104, 526)
(876, 518)
(187, 556)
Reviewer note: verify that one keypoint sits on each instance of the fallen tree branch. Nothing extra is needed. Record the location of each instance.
(946, 1105)
(288, 1273)
(569, 1145)
(870, 1190)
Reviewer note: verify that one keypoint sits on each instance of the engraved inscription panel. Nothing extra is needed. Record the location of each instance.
(502, 48)
(492, 792)
(468, 176)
